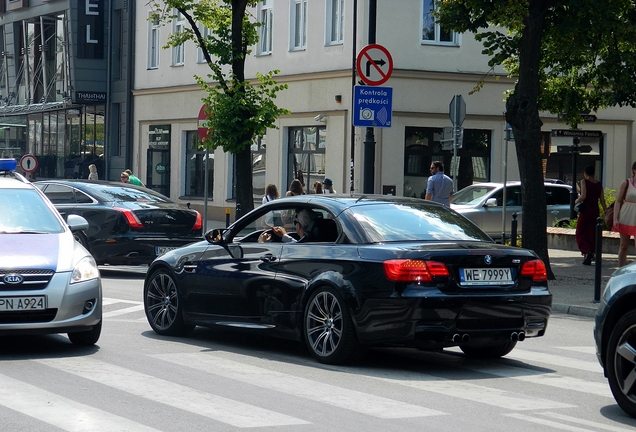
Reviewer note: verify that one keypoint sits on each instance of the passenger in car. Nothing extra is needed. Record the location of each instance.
(302, 221)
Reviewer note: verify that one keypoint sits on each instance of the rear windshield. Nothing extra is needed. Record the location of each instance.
(471, 194)
(129, 194)
(395, 222)
(25, 210)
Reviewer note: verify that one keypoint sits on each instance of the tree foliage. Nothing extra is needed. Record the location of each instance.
(568, 56)
(238, 109)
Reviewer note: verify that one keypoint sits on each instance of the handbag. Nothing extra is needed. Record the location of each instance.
(578, 207)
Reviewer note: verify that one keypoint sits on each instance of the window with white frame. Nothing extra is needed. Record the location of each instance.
(433, 33)
(204, 32)
(298, 24)
(178, 52)
(335, 22)
(266, 17)
(153, 43)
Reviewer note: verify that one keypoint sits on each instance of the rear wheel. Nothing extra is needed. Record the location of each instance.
(621, 363)
(163, 306)
(328, 329)
(86, 338)
(492, 351)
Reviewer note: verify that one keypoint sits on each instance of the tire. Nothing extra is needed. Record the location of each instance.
(489, 352)
(620, 363)
(163, 306)
(328, 329)
(86, 338)
(80, 237)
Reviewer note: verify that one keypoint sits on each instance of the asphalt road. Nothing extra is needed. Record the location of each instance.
(214, 381)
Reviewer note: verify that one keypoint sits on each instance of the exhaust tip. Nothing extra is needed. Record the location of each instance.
(456, 338)
(514, 336)
(522, 336)
(465, 338)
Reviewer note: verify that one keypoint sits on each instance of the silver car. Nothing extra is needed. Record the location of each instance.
(482, 203)
(48, 282)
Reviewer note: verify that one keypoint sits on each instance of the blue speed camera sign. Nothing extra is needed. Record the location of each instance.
(372, 106)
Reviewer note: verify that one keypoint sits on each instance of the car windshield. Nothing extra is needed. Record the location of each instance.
(129, 194)
(471, 194)
(392, 222)
(25, 211)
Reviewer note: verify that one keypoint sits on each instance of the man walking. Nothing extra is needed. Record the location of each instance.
(440, 186)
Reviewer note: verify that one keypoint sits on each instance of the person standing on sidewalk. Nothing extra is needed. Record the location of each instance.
(591, 193)
(440, 186)
(625, 215)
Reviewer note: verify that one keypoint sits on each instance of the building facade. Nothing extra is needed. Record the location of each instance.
(315, 44)
(64, 66)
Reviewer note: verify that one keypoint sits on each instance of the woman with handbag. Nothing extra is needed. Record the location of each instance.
(591, 193)
(625, 215)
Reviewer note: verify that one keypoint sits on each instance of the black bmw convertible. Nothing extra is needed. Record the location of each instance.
(368, 270)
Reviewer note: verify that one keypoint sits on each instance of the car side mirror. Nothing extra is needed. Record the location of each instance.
(491, 202)
(76, 222)
(215, 236)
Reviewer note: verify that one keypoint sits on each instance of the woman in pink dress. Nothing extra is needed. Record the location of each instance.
(625, 215)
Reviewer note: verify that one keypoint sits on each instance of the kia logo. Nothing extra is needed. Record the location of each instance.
(13, 278)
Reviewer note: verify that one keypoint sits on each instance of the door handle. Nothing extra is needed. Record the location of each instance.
(268, 258)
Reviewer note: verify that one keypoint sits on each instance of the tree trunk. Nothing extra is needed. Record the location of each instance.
(523, 114)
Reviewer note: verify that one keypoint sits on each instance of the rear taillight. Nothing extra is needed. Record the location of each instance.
(131, 218)
(535, 269)
(198, 224)
(405, 270)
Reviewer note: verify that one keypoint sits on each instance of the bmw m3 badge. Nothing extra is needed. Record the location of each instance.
(488, 259)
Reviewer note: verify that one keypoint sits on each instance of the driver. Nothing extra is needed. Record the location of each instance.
(302, 221)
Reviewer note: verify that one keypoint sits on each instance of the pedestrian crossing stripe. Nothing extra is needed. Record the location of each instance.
(224, 410)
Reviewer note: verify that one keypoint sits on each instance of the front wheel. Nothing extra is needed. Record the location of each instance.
(86, 338)
(488, 352)
(328, 329)
(621, 363)
(163, 306)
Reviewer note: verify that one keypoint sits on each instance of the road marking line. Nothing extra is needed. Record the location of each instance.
(109, 301)
(124, 311)
(548, 423)
(199, 402)
(551, 359)
(586, 422)
(580, 349)
(59, 411)
(352, 400)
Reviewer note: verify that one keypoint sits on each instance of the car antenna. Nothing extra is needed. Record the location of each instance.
(361, 198)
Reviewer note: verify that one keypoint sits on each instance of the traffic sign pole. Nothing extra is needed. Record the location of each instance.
(457, 114)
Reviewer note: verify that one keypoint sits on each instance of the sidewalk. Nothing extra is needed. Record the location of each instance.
(573, 288)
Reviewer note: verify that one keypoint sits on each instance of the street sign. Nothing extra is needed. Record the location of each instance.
(574, 149)
(457, 110)
(372, 106)
(588, 118)
(448, 138)
(374, 64)
(576, 133)
(204, 132)
(28, 163)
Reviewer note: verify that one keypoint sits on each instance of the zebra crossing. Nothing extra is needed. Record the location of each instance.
(351, 389)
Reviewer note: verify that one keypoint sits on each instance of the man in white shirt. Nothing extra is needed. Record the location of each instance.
(302, 221)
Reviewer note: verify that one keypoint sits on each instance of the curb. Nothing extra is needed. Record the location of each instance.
(584, 311)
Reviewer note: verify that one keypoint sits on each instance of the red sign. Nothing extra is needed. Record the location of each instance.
(204, 132)
(28, 163)
(374, 64)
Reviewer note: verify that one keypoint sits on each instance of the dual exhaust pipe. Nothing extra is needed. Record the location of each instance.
(465, 337)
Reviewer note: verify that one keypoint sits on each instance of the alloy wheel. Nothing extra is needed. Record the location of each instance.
(162, 302)
(324, 324)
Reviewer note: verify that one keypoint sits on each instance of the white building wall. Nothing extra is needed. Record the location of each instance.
(424, 80)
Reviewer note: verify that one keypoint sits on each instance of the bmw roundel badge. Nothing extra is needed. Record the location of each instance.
(13, 278)
(488, 259)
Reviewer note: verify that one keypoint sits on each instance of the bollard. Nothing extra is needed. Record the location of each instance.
(227, 217)
(599, 260)
(513, 230)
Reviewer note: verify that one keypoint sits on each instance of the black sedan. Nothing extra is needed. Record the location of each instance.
(615, 335)
(366, 271)
(128, 224)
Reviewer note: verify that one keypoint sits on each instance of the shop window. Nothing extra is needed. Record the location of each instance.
(306, 161)
(195, 168)
(259, 152)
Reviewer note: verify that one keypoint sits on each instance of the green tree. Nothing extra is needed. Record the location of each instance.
(568, 56)
(238, 109)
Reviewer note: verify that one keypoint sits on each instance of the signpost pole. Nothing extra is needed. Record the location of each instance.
(369, 140)
(573, 193)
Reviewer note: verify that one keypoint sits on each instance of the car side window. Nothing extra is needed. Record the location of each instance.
(82, 198)
(557, 195)
(59, 194)
(513, 196)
